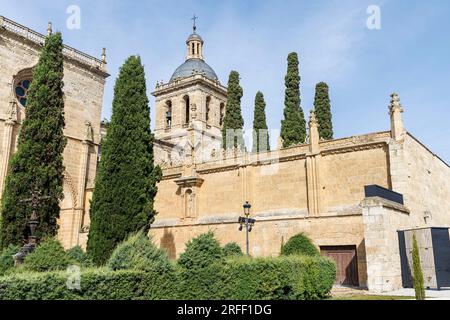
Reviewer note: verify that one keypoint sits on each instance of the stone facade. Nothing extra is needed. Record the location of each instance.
(316, 188)
(84, 80)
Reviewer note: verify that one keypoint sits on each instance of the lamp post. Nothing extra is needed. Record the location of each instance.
(248, 223)
(33, 223)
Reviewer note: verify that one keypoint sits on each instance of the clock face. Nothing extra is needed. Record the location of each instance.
(21, 91)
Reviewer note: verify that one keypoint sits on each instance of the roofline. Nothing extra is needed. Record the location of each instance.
(184, 82)
(87, 61)
(426, 148)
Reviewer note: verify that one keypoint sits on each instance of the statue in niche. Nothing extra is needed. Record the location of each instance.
(12, 112)
(89, 131)
(190, 205)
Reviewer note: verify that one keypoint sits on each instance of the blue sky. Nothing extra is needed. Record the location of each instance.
(410, 54)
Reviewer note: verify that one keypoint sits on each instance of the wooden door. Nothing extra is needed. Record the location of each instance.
(346, 264)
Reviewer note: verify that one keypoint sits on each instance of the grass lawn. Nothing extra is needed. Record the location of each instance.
(371, 297)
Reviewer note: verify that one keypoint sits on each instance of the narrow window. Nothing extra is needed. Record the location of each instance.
(222, 113)
(169, 114)
(193, 49)
(208, 102)
(186, 106)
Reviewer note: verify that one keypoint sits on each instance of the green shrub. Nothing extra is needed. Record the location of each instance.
(232, 249)
(138, 252)
(199, 268)
(286, 278)
(6, 258)
(280, 278)
(299, 244)
(78, 256)
(419, 288)
(201, 252)
(95, 284)
(49, 255)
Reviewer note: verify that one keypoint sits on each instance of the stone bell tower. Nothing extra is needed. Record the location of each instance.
(189, 110)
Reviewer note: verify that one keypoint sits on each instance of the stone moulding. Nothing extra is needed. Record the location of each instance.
(232, 218)
(377, 201)
(38, 39)
(189, 182)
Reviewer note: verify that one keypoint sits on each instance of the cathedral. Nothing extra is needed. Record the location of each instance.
(357, 198)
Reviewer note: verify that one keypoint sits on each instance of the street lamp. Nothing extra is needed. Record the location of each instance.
(247, 222)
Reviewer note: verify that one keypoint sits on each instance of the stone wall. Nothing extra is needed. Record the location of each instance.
(382, 219)
(83, 94)
(269, 232)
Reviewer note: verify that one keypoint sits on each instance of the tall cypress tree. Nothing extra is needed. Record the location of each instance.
(125, 186)
(260, 133)
(233, 117)
(37, 166)
(293, 127)
(323, 111)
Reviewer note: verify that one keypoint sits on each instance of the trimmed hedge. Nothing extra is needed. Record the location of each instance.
(6, 258)
(78, 256)
(299, 244)
(49, 255)
(281, 278)
(96, 284)
(138, 252)
(232, 249)
(201, 252)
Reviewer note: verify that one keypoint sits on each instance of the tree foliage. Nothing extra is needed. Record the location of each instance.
(37, 166)
(419, 287)
(6, 258)
(49, 255)
(299, 244)
(232, 249)
(125, 186)
(140, 253)
(78, 256)
(293, 126)
(233, 121)
(260, 130)
(201, 252)
(323, 111)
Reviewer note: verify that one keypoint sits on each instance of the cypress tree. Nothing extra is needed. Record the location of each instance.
(125, 186)
(323, 111)
(417, 271)
(293, 127)
(260, 125)
(233, 117)
(37, 166)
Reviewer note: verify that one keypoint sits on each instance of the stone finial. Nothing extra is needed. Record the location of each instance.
(395, 112)
(104, 55)
(312, 119)
(49, 28)
(395, 104)
(313, 133)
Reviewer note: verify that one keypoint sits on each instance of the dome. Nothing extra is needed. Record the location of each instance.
(191, 66)
(194, 36)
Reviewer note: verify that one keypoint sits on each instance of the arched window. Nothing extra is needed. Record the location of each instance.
(207, 110)
(222, 113)
(198, 48)
(193, 48)
(187, 109)
(168, 114)
(21, 85)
